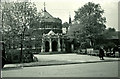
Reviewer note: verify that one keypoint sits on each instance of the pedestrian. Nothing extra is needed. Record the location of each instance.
(101, 53)
(119, 50)
(113, 52)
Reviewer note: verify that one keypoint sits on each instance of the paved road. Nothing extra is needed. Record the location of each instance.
(101, 69)
(70, 57)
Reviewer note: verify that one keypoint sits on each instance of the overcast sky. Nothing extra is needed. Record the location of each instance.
(62, 8)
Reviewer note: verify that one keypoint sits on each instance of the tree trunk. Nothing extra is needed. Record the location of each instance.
(21, 51)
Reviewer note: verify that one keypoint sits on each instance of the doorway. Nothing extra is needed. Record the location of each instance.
(54, 46)
(47, 46)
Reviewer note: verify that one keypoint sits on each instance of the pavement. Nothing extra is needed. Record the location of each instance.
(62, 59)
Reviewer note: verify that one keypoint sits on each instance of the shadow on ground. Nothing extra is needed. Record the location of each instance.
(53, 63)
(11, 68)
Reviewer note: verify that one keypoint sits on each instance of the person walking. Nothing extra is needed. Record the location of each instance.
(119, 50)
(113, 52)
(101, 53)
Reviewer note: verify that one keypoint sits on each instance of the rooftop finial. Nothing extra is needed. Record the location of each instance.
(69, 18)
(44, 7)
(69, 14)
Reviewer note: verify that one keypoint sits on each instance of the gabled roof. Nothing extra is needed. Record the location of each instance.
(46, 17)
(51, 33)
(45, 14)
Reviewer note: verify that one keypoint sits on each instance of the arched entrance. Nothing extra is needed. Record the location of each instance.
(47, 46)
(54, 46)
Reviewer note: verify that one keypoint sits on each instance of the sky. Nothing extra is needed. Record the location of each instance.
(62, 9)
